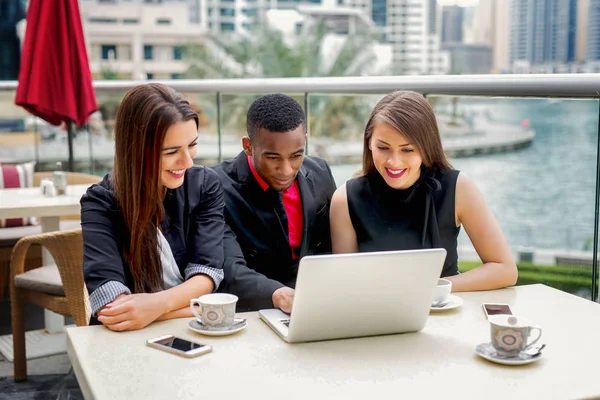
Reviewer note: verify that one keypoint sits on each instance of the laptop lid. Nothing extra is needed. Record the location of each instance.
(363, 294)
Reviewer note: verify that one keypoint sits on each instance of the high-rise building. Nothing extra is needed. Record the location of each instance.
(490, 26)
(593, 34)
(582, 28)
(452, 24)
(411, 27)
(467, 28)
(543, 31)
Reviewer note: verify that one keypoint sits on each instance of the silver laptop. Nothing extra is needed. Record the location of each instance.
(361, 294)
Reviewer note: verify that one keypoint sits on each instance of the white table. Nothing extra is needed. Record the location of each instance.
(29, 202)
(437, 363)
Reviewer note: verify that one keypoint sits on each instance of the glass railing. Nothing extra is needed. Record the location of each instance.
(529, 142)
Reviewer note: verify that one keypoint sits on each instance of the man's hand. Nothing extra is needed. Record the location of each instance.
(283, 299)
(132, 312)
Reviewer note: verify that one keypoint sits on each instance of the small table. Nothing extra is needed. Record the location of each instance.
(25, 203)
(437, 363)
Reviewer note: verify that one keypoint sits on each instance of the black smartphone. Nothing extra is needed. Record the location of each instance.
(179, 346)
(496, 309)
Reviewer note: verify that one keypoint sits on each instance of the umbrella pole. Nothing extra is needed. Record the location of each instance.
(70, 134)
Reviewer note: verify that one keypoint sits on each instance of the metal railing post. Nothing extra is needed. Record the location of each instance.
(596, 216)
(219, 128)
(307, 119)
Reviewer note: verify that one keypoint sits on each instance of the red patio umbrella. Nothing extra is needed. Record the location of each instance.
(55, 82)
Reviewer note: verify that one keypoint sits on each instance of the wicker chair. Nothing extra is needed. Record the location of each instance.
(34, 258)
(59, 288)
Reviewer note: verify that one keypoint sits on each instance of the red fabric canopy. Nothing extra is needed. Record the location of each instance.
(55, 82)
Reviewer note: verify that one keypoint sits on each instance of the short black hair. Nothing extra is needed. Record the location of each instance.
(274, 113)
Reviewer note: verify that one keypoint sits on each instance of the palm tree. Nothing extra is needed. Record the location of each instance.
(266, 53)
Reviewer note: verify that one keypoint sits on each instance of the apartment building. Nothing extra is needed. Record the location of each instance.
(139, 39)
(412, 28)
(543, 31)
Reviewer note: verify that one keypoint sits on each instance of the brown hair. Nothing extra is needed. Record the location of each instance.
(411, 115)
(143, 118)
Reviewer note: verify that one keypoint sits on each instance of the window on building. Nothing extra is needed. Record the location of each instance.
(250, 12)
(131, 21)
(148, 52)
(109, 52)
(227, 27)
(97, 20)
(176, 76)
(227, 12)
(149, 76)
(248, 27)
(163, 21)
(177, 53)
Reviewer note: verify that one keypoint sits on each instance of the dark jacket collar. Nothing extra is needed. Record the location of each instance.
(241, 173)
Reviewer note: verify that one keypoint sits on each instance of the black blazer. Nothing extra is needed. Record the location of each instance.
(193, 225)
(252, 214)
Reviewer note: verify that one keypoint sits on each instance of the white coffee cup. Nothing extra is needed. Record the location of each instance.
(442, 291)
(217, 309)
(48, 188)
(511, 334)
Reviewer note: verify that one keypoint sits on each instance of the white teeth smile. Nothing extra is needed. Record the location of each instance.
(177, 172)
(396, 171)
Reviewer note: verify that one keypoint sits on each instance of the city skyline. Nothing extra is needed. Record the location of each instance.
(462, 3)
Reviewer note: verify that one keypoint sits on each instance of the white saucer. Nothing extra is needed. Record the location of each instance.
(487, 351)
(454, 302)
(197, 326)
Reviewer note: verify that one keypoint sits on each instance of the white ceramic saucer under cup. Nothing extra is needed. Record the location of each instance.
(487, 351)
(454, 302)
(197, 326)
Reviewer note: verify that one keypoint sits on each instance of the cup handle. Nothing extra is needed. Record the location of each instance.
(194, 302)
(535, 328)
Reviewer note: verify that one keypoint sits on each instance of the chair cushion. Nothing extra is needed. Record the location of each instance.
(10, 236)
(45, 279)
(16, 176)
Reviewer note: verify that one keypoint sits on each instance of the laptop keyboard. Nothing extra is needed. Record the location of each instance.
(286, 322)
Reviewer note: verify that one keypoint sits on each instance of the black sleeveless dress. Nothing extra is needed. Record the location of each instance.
(420, 217)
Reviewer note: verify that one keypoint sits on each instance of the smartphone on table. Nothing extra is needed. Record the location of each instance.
(496, 309)
(179, 346)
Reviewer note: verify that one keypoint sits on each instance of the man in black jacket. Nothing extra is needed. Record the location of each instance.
(276, 203)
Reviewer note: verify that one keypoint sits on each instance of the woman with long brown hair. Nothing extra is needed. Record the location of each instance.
(407, 196)
(153, 229)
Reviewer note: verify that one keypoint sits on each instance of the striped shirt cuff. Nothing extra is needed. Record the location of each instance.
(216, 274)
(105, 294)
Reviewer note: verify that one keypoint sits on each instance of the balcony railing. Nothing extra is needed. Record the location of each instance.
(544, 189)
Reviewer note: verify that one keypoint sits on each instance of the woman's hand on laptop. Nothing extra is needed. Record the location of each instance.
(283, 299)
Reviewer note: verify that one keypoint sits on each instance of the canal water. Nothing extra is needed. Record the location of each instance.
(543, 195)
